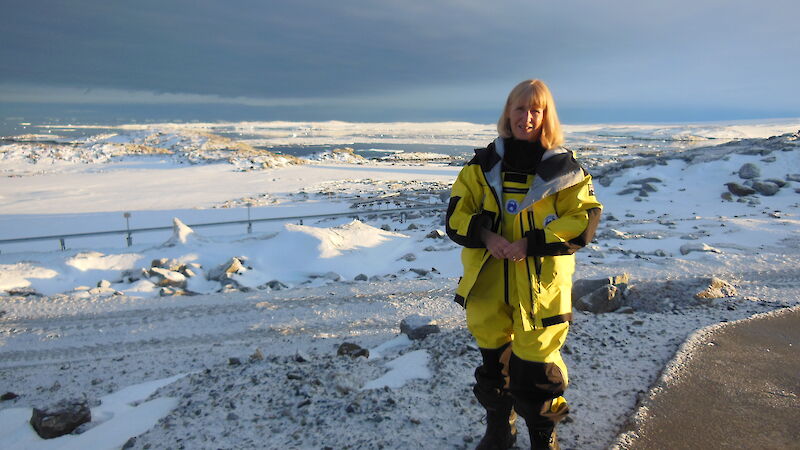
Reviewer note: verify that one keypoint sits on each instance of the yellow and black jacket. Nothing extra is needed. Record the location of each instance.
(558, 214)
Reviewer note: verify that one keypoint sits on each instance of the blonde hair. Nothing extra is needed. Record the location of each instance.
(538, 95)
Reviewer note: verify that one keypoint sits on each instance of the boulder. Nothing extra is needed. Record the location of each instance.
(361, 277)
(23, 292)
(716, 288)
(131, 275)
(436, 234)
(224, 271)
(604, 299)
(275, 285)
(408, 257)
(739, 190)
(793, 177)
(585, 286)
(352, 350)
(767, 188)
(749, 171)
(644, 181)
(61, 418)
(418, 327)
(333, 276)
(701, 247)
(257, 356)
(778, 181)
(166, 277)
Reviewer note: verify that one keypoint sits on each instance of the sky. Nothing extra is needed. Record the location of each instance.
(386, 60)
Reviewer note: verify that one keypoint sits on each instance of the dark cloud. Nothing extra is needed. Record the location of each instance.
(624, 52)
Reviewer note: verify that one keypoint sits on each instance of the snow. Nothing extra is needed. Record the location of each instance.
(130, 348)
(118, 417)
(402, 369)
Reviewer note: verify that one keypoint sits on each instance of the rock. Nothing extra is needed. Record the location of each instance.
(104, 284)
(161, 262)
(626, 310)
(166, 277)
(301, 356)
(232, 416)
(352, 350)
(698, 247)
(131, 275)
(408, 257)
(234, 362)
(716, 288)
(644, 181)
(130, 443)
(103, 291)
(739, 190)
(585, 286)
(8, 396)
(60, 419)
(778, 181)
(418, 327)
(274, 285)
(186, 271)
(767, 188)
(793, 177)
(647, 187)
(436, 234)
(23, 292)
(226, 270)
(603, 299)
(361, 277)
(257, 356)
(627, 191)
(749, 171)
(386, 227)
(420, 272)
(727, 196)
(333, 276)
(412, 226)
(166, 292)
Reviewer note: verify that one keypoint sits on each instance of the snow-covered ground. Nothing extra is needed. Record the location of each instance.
(151, 350)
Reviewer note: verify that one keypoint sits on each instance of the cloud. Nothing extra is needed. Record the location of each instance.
(314, 52)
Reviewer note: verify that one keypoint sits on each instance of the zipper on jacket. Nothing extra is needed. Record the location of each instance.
(528, 268)
(536, 260)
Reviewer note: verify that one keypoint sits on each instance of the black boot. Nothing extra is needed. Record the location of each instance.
(501, 430)
(490, 390)
(536, 387)
(543, 438)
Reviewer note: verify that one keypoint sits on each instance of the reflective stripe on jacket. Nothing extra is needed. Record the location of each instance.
(558, 215)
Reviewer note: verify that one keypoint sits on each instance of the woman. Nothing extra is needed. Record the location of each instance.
(521, 208)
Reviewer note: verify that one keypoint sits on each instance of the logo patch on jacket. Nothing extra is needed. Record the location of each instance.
(549, 219)
(512, 206)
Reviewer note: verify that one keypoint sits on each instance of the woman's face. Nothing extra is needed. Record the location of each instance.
(526, 121)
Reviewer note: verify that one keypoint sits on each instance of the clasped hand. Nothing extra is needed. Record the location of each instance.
(500, 248)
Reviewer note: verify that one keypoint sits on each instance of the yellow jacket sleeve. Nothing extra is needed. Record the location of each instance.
(466, 216)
